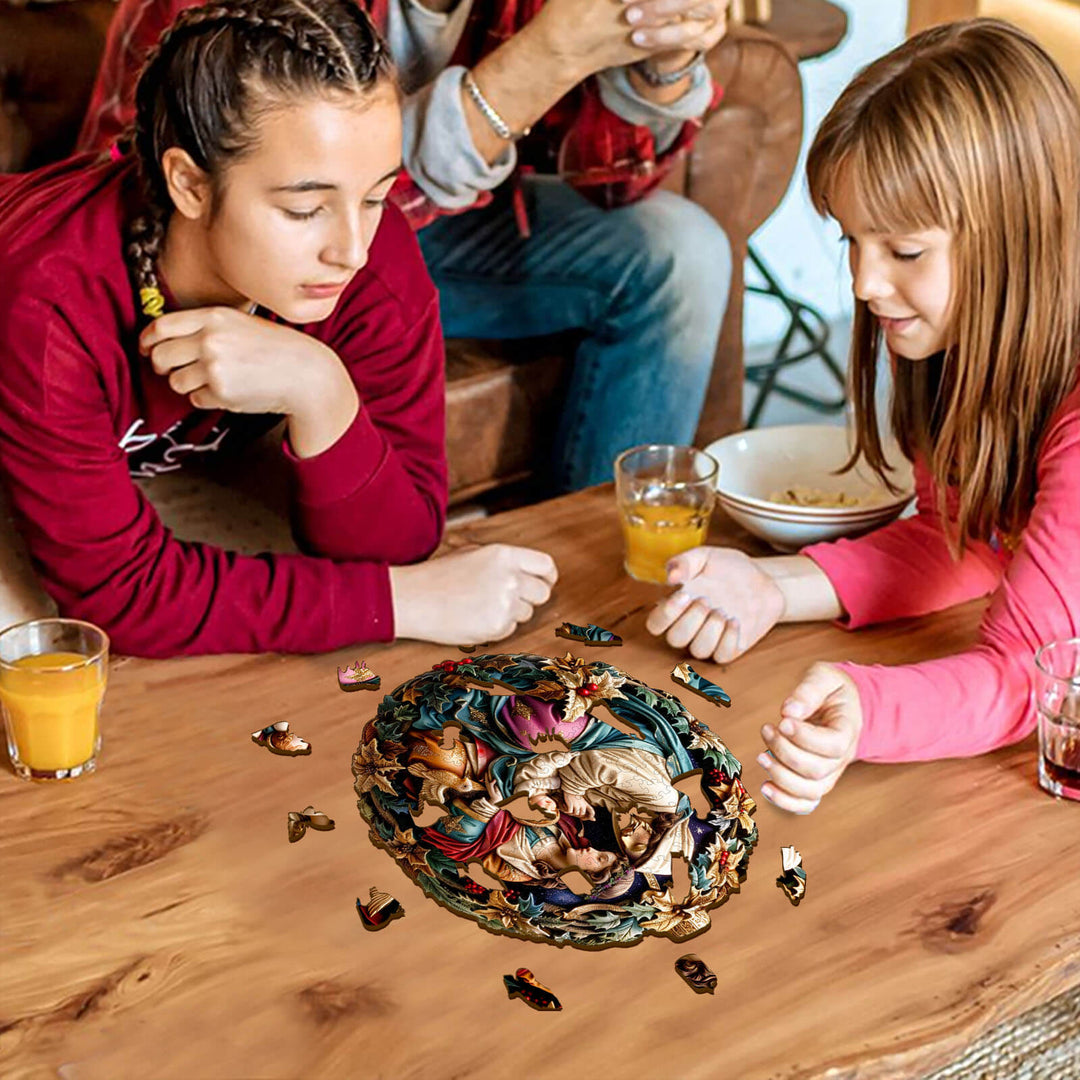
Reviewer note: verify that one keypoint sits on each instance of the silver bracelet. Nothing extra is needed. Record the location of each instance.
(498, 124)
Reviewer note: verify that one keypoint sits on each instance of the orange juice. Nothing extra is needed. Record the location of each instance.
(52, 715)
(654, 534)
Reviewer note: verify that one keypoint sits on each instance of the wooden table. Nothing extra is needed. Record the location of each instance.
(156, 923)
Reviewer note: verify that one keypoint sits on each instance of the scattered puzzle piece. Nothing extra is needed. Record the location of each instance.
(793, 879)
(686, 676)
(696, 973)
(590, 634)
(524, 984)
(299, 822)
(380, 910)
(358, 677)
(278, 739)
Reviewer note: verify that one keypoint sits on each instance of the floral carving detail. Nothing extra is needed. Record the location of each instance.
(372, 770)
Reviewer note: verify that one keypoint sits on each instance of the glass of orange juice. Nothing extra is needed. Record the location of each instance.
(52, 680)
(666, 495)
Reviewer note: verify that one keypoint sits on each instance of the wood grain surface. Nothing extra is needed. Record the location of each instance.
(156, 923)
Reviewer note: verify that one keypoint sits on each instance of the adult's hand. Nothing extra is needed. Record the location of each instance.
(674, 30)
(585, 36)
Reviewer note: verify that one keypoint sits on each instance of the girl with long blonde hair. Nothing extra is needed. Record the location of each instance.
(952, 166)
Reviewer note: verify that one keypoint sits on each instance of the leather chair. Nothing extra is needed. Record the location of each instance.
(502, 398)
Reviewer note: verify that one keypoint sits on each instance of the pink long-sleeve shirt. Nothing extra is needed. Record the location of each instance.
(81, 412)
(977, 700)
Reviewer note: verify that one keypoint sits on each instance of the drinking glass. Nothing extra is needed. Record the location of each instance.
(52, 681)
(1057, 699)
(665, 497)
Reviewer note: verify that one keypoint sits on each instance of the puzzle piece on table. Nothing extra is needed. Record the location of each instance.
(300, 820)
(590, 634)
(524, 984)
(686, 676)
(793, 879)
(278, 739)
(380, 910)
(696, 973)
(358, 677)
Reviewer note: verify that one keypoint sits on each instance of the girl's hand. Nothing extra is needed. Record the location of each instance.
(221, 358)
(819, 730)
(725, 604)
(471, 597)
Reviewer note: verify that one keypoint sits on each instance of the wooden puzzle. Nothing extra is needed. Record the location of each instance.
(686, 676)
(589, 634)
(527, 731)
(525, 985)
(380, 910)
(358, 677)
(696, 973)
(299, 820)
(278, 739)
(793, 879)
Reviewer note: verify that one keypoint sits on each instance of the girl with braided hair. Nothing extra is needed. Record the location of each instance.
(236, 268)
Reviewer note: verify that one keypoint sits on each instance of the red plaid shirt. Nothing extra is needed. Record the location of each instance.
(607, 159)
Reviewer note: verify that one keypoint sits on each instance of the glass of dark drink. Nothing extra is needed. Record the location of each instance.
(1057, 699)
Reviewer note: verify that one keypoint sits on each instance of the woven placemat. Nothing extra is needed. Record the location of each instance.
(1043, 1044)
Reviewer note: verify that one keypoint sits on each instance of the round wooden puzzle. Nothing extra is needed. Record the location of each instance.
(534, 785)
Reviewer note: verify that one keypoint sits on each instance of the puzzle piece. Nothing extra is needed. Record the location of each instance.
(278, 739)
(590, 634)
(380, 910)
(793, 879)
(696, 973)
(524, 984)
(358, 677)
(300, 820)
(686, 676)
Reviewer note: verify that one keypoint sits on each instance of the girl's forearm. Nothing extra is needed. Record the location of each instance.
(325, 414)
(809, 595)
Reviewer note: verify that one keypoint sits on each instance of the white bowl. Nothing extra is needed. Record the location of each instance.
(756, 464)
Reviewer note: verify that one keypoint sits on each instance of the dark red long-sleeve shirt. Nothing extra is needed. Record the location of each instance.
(81, 412)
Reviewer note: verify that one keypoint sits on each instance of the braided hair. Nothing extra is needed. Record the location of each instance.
(200, 91)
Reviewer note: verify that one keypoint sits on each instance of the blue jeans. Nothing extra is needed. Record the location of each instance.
(647, 284)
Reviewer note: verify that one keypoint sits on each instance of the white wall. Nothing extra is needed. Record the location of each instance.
(803, 251)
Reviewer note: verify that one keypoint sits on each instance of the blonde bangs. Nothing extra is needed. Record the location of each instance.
(899, 183)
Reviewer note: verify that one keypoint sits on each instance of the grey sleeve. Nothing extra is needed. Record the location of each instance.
(438, 148)
(664, 121)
